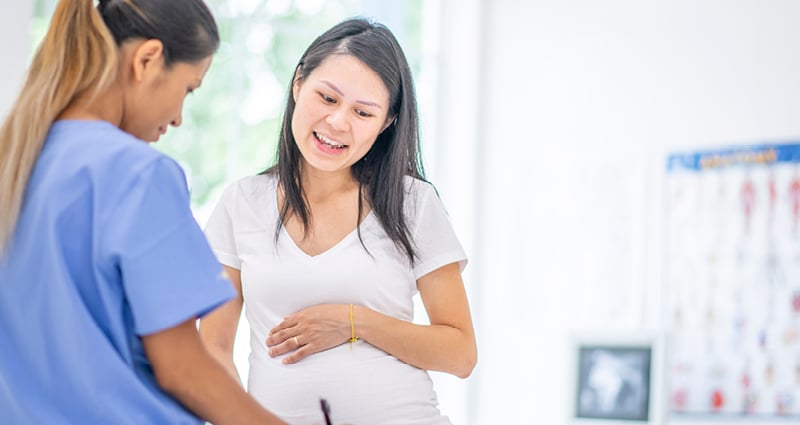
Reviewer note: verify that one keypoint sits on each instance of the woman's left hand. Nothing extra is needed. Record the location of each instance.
(309, 331)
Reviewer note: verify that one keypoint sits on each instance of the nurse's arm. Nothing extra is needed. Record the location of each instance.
(187, 371)
(218, 328)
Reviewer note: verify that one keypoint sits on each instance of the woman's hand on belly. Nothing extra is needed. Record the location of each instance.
(308, 331)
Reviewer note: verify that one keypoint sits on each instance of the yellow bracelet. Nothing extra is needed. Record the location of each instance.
(352, 328)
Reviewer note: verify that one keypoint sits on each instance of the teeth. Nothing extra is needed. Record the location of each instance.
(329, 142)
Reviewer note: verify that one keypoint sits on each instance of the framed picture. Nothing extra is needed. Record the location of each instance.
(615, 378)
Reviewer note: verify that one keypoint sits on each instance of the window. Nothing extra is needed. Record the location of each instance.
(231, 125)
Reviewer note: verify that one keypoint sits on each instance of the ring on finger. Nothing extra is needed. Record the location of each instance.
(296, 341)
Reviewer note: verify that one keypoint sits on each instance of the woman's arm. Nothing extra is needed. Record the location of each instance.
(446, 345)
(187, 371)
(218, 328)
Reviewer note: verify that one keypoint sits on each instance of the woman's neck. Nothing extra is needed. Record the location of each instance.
(105, 106)
(321, 184)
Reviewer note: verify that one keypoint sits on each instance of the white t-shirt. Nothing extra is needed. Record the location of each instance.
(363, 384)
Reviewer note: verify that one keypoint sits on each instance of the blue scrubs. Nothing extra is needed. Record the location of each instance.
(106, 250)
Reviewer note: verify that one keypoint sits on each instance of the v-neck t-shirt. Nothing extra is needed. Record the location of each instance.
(363, 384)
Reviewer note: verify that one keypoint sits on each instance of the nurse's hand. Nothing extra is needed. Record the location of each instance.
(310, 331)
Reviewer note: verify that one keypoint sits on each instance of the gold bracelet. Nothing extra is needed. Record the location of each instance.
(352, 328)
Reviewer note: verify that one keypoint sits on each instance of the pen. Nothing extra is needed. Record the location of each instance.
(326, 410)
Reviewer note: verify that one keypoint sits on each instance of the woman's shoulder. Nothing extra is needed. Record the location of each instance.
(418, 189)
(107, 152)
(420, 195)
(97, 139)
(254, 192)
(254, 186)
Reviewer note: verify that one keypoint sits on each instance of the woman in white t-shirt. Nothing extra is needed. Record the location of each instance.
(328, 247)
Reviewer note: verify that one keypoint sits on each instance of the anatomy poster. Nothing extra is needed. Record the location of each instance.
(732, 282)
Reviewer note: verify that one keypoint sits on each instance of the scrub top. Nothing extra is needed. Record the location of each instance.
(106, 250)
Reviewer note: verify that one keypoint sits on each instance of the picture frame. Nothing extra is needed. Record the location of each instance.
(616, 378)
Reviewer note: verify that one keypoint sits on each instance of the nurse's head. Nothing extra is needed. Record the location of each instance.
(163, 48)
(129, 62)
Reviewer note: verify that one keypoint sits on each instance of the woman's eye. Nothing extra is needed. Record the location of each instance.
(363, 114)
(327, 98)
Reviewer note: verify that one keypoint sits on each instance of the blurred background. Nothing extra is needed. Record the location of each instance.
(549, 128)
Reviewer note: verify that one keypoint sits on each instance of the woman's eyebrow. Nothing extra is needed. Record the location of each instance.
(337, 90)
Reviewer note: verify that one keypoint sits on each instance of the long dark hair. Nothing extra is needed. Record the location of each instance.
(395, 153)
(79, 56)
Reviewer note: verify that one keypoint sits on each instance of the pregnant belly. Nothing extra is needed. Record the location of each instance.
(363, 385)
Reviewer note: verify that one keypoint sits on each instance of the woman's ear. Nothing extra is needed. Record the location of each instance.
(295, 89)
(389, 121)
(296, 83)
(148, 59)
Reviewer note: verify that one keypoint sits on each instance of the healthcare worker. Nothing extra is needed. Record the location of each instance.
(103, 270)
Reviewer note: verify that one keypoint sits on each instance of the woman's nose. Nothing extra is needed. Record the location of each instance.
(338, 119)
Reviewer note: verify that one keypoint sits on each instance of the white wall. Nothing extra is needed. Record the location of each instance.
(449, 90)
(578, 102)
(15, 30)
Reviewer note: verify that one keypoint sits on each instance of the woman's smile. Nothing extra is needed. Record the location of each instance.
(328, 145)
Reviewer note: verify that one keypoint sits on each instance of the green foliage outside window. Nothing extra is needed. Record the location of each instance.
(230, 126)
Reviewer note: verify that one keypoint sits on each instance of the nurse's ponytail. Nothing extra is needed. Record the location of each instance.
(78, 55)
